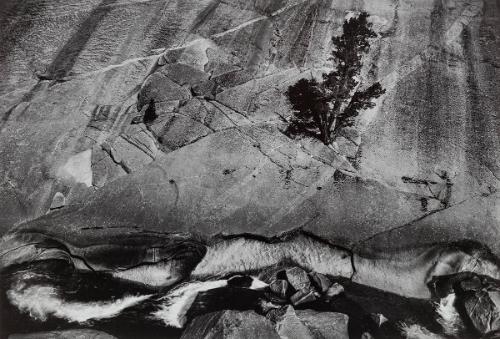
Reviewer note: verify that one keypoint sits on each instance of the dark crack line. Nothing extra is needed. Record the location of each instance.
(232, 109)
(308, 222)
(194, 140)
(177, 192)
(120, 163)
(18, 247)
(220, 110)
(237, 127)
(194, 119)
(257, 143)
(138, 145)
(410, 223)
(319, 159)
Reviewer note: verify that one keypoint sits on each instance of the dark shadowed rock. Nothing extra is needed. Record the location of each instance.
(304, 296)
(482, 311)
(280, 288)
(321, 282)
(476, 298)
(230, 325)
(161, 88)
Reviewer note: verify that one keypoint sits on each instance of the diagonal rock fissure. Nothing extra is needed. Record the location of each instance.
(139, 145)
(412, 222)
(120, 162)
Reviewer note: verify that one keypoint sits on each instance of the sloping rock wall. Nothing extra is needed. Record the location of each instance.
(75, 76)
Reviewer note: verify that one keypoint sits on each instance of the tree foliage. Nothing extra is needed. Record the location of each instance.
(150, 113)
(335, 102)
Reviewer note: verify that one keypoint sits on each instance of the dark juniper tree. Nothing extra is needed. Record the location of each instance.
(150, 113)
(334, 102)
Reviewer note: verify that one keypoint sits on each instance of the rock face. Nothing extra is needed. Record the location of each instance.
(68, 334)
(230, 324)
(423, 165)
(306, 324)
(124, 119)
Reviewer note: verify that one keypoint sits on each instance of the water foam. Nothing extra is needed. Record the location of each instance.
(178, 301)
(44, 301)
(449, 318)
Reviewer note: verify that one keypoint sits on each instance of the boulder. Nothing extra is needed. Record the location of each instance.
(304, 296)
(298, 278)
(280, 288)
(309, 324)
(379, 319)
(476, 296)
(482, 311)
(230, 325)
(321, 282)
(291, 327)
(326, 325)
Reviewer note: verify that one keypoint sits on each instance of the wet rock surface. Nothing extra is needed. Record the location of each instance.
(339, 308)
(477, 300)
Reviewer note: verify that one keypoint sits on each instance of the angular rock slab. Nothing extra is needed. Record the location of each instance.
(298, 278)
(230, 325)
(309, 324)
(327, 325)
(234, 180)
(291, 327)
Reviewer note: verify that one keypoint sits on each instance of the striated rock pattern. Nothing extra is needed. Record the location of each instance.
(122, 117)
(213, 159)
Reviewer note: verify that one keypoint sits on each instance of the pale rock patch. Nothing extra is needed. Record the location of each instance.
(77, 169)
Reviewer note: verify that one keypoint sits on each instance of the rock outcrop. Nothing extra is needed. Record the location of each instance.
(306, 324)
(230, 324)
(214, 159)
(135, 117)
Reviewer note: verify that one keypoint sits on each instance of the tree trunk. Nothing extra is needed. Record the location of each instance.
(325, 134)
(333, 126)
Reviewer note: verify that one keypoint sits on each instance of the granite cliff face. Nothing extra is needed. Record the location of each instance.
(135, 130)
(422, 166)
